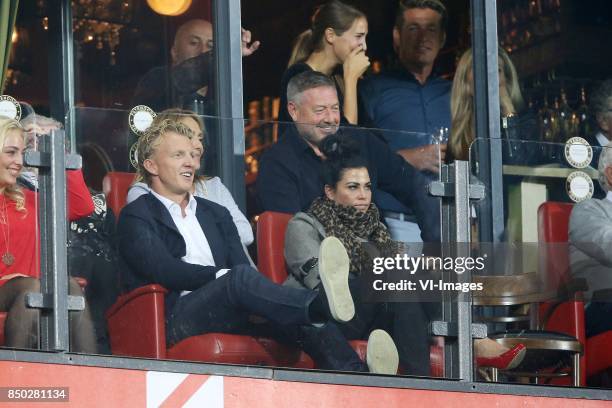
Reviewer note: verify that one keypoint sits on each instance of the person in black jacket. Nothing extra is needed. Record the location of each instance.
(185, 83)
(191, 246)
(289, 174)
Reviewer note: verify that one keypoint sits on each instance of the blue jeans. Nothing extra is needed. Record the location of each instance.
(226, 304)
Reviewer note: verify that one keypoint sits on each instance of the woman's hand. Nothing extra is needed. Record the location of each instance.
(355, 64)
(507, 107)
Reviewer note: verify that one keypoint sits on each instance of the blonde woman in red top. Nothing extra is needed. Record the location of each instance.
(20, 246)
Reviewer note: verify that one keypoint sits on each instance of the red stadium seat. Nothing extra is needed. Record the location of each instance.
(563, 317)
(271, 228)
(136, 322)
(553, 227)
(115, 186)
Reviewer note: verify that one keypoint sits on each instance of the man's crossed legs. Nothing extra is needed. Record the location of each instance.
(300, 316)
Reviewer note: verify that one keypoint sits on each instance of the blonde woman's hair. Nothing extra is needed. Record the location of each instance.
(12, 192)
(150, 141)
(462, 101)
(177, 114)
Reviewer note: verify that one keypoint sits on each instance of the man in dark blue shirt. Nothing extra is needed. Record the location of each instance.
(289, 177)
(410, 103)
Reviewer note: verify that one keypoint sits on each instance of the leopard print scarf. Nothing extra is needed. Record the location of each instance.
(351, 227)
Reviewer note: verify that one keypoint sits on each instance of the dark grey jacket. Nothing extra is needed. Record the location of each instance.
(302, 240)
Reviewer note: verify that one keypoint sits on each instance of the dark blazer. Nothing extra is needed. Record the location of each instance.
(151, 246)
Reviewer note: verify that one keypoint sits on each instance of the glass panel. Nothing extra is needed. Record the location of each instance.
(27, 75)
(557, 74)
(20, 259)
(130, 53)
(530, 280)
(145, 258)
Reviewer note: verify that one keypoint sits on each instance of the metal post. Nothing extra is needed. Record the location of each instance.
(52, 213)
(456, 192)
(462, 238)
(576, 374)
(448, 306)
(61, 66)
(228, 49)
(486, 102)
(53, 299)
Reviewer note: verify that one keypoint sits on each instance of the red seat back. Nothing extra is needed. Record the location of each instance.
(136, 323)
(116, 185)
(553, 234)
(271, 227)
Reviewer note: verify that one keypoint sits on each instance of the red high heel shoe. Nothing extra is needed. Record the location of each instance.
(506, 361)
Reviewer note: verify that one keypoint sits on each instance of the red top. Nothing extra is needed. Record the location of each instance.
(23, 236)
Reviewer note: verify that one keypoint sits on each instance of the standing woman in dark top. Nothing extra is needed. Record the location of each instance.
(336, 38)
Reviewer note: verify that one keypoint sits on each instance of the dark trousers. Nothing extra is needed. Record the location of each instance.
(406, 322)
(225, 305)
(101, 291)
(598, 318)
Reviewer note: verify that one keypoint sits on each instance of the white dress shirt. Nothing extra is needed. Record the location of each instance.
(197, 247)
(211, 189)
(603, 141)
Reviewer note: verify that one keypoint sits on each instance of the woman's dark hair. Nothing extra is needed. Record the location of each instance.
(342, 153)
(333, 14)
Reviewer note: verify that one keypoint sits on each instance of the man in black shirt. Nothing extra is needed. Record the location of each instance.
(185, 83)
(289, 179)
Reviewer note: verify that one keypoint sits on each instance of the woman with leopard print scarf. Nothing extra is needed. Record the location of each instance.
(346, 212)
(353, 227)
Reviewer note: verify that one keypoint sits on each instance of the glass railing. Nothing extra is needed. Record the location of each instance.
(139, 296)
(147, 297)
(32, 203)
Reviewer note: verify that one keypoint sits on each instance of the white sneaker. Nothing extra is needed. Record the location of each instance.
(381, 355)
(334, 272)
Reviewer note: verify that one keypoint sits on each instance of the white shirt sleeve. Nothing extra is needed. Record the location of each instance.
(221, 272)
(221, 195)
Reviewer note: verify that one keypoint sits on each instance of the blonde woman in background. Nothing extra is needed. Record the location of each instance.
(516, 124)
